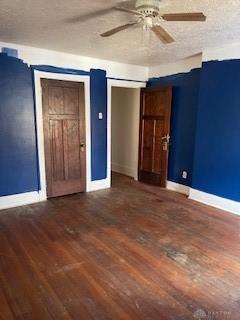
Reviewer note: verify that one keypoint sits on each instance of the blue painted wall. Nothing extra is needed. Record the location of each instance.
(183, 122)
(47, 68)
(18, 152)
(99, 127)
(217, 146)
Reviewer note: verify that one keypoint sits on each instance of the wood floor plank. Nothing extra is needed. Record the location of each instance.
(133, 252)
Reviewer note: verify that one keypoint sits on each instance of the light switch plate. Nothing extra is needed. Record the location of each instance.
(100, 116)
(184, 174)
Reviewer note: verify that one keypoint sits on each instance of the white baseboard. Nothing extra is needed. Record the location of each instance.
(21, 199)
(128, 171)
(180, 188)
(215, 201)
(99, 185)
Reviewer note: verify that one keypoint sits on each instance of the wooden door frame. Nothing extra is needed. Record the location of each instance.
(38, 75)
(120, 84)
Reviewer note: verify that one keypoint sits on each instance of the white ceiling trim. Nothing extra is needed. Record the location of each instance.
(181, 66)
(38, 56)
(224, 53)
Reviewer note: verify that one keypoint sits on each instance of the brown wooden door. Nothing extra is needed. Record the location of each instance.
(64, 136)
(154, 135)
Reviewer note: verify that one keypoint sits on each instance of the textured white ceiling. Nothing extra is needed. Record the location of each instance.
(45, 24)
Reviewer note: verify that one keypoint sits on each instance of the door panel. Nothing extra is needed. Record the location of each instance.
(55, 100)
(148, 130)
(56, 141)
(154, 133)
(71, 100)
(154, 103)
(71, 149)
(157, 151)
(64, 133)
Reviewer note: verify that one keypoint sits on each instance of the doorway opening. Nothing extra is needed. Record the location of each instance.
(125, 113)
(38, 76)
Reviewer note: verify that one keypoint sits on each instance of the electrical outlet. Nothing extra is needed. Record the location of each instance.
(184, 174)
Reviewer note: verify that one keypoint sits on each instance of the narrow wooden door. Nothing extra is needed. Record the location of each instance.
(154, 135)
(64, 136)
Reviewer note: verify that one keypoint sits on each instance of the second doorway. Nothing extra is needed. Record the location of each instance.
(125, 130)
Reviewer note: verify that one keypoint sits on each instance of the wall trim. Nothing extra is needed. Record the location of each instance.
(17, 200)
(122, 84)
(99, 185)
(38, 75)
(215, 201)
(177, 187)
(131, 80)
(128, 171)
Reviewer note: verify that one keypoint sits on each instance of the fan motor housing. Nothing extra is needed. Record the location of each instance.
(148, 7)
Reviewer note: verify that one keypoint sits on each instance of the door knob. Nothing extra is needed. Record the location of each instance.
(82, 146)
(165, 142)
(166, 138)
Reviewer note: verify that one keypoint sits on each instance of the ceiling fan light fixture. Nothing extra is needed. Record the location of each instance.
(148, 7)
(148, 23)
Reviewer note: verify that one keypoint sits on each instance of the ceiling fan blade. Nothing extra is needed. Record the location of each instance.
(118, 29)
(90, 15)
(128, 10)
(128, 3)
(101, 12)
(193, 16)
(162, 34)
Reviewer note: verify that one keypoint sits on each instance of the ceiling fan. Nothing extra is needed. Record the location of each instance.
(148, 15)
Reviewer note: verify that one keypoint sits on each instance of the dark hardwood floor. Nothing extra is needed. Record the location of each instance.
(130, 252)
